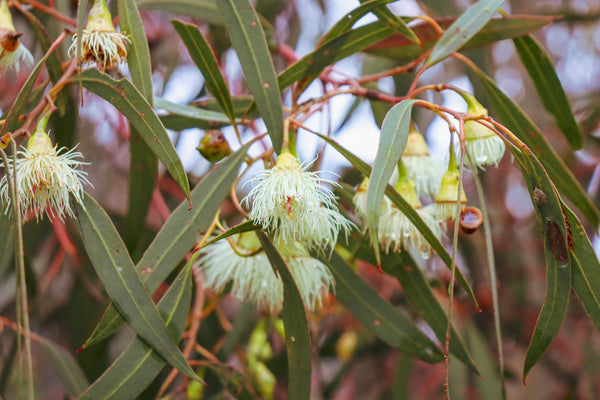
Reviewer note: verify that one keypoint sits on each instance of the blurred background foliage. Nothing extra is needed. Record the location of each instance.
(349, 362)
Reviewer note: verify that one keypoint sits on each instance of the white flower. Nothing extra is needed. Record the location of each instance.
(482, 144)
(46, 177)
(360, 199)
(290, 202)
(252, 277)
(100, 42)
(12, 52)
(396, 232)
(447, 197)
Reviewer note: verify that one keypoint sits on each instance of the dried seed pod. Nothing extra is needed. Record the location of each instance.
(470, 219)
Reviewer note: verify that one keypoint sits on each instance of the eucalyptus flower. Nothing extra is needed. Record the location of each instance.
(47, 177)
(12, 52)
(100, 41)
(242, 262)
(291, 203)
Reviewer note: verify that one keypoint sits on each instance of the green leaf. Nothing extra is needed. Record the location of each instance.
(297, 339)
(143, 164)
(514, 118)
(344, 45)
(127, 99)
(183, 117)
(352, 17)
(123, 282)
(556, 243)
(250, 44)
(53, 63)
(398, 47)
(379, 316)
(463, 29)
(81, 20)
(247, 226)
(178, 235)
(203, 56)
(410, 213)
(204, 10)
(11, 122)
(139, 364)
(394, 134)
(414, 284)
(387, 17)
(69, 372)
(585, 269)
(542, 73)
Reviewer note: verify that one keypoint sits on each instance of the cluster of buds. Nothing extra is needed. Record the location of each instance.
(12, 52)
(101, 44)
(420, 177)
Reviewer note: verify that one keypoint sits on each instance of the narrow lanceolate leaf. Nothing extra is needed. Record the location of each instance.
(557, 241)
(81, 14)
(463, 29)
(542, 73)
(414, 284)
(349, 19)
(410, 213)
(204, 10)
(387, 17)
(143, 164)
(394, 134)
(296, 326)
(11, 123)
(139, 364)
(178, 235)
(247, 226)
(342, 46)
(124, 284)
(183, 117)
(397, 46)
(129, 101)
(585, 269)
(204, 58)
(514, 118)
(250, 44)
(69, 372)
(379, 316)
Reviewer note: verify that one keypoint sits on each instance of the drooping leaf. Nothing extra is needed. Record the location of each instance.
(398, 24)
(513, 117)
(70, 373)
(203, 56)
(344, 45)
(128, 100)
(379, 316)
(398, 47)
(247, 226)
(178, 235)
(297, 339)
(143, 164)
(123, 282)
(542, 73)
(585, 269)
(183, 117)
(11, 122)
(139, 364)
(464, 28)
(348, 20)
(410, 213)
(250, 44)
(394, 134)
(557, 240)
(81, 20)
(205, 10)
(414, 284)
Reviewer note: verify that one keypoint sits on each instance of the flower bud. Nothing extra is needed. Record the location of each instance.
(483, 145)
(12, 52)
(447, 197)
